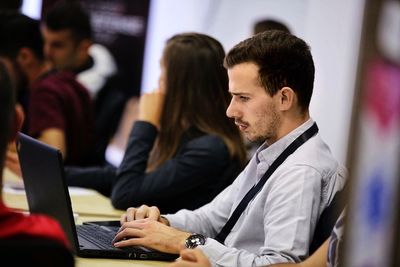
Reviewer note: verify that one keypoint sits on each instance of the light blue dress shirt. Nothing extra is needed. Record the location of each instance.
(278, 224)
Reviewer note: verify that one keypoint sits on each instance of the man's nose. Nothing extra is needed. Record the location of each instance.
(232, 111)
(46, 51)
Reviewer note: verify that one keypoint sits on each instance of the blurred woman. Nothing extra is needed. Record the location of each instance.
(183, 150)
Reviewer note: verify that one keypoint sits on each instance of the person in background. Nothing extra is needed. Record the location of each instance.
(269, 24)
(68, 45)
(271, 79)
(7, 9)
(58, 109)
(183, 150)
(15, 225)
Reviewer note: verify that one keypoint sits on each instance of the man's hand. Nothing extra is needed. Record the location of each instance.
(143, 212)
(55, 137)
(151, 234)
(12, 162)
(191, 258)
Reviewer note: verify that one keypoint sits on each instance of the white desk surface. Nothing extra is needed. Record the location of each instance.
(84, 201)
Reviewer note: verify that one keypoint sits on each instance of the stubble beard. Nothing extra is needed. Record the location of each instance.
(268, 130)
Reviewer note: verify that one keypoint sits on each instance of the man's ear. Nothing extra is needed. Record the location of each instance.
(287, 98)
(17, 122)
(25, 57)
(84, 45)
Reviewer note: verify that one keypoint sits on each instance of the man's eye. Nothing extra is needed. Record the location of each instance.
(243, 98)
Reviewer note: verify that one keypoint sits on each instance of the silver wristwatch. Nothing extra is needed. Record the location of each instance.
(195, 240)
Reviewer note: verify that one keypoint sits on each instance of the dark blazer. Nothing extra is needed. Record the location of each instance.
(201, 168)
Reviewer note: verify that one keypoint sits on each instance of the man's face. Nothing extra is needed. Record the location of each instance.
(60, 49)
(254, 111)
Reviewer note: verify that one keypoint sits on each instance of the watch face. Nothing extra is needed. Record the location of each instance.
(195, 240)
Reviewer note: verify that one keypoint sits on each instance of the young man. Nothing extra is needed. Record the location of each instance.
(271, 82)
(67, 34)
(58, 109)
(14, 225)
(68, 45)
(261, 26)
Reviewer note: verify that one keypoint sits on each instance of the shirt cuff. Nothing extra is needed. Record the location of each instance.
(214, 250)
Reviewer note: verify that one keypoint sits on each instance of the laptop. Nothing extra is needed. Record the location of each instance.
(47, 193)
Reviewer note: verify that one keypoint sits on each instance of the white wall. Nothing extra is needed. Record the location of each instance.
(32, 8)
(332, 28)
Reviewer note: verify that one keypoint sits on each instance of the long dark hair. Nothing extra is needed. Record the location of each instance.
(196, 96)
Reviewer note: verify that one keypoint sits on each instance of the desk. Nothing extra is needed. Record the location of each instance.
(86, 262)
(90, 206)
(84, 201)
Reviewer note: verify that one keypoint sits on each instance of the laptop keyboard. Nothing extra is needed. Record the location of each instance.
(99, 235)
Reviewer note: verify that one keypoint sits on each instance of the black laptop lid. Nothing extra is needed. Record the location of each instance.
(47, 193)
(41, 167)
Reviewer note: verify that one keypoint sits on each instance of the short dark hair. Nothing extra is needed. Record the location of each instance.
(269, 24)
(7, 104)
(69, 16)
(18, 31)
(283, 60)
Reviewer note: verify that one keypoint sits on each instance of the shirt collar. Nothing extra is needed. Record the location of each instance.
(268, 154)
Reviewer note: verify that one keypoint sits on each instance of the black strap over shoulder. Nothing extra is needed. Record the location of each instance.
(254, 190)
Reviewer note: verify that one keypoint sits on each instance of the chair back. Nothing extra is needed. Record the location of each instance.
(327, 220)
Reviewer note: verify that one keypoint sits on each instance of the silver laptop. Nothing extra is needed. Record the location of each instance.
(47, 193)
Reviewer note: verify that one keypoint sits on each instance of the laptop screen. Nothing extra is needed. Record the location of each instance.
(41, 167)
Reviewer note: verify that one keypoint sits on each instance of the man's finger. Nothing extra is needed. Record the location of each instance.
(130, 214)
(127, 233)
